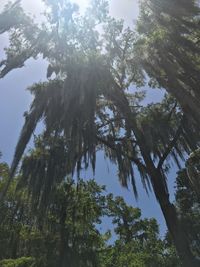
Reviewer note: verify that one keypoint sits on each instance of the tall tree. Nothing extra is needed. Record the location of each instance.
(89, 104)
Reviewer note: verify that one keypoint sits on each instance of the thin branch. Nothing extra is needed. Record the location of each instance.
(109, 122)
(171, 145)
(121, 139)
(113, 147)
(172, 110)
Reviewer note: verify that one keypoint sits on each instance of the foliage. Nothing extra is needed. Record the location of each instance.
(20, 262)
(92, 74)
(188, 200)
(68, 232)
(138, 243)
(168, 49)
(87, 103)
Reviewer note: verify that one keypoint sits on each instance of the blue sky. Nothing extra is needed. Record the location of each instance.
(15, 100)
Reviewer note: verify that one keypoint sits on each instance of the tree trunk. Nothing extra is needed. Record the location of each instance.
(174, 225)
(63, 252)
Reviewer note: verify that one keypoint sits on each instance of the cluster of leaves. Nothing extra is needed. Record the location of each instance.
(20, 262)
(137, 243)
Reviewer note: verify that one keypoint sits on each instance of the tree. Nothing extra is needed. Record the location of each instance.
(138, 243)
(65, 235)
(89, 105)
(168, 49)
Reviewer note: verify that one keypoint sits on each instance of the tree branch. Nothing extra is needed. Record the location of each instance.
(113, 147)
(170, 145)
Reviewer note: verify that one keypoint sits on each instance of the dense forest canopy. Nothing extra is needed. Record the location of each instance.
(92, 101)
